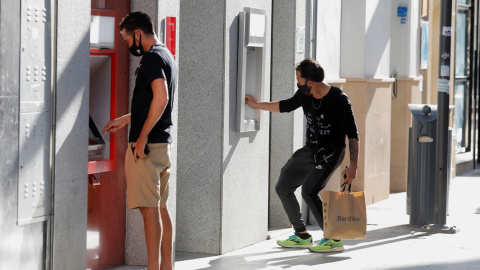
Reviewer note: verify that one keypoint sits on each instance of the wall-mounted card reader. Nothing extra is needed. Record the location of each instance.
(252, 25)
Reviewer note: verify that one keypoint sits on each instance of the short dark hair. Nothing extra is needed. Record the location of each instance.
(137, 20)
(311, 70)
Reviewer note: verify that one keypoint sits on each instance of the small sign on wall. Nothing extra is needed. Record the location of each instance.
(300, 39)
(443, 85)
(402, 14)
(170, 34)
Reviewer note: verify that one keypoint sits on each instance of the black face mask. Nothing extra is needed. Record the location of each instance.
(304, 88)
(136, 50)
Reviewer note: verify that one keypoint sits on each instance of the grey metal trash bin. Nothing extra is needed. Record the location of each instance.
(421, 165)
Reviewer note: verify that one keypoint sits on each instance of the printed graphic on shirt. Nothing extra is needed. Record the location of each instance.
(322, 124)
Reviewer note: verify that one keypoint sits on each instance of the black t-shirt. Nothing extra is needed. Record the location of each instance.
(335, 118)
(157, 63)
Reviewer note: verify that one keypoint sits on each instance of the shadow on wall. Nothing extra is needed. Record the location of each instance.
(71, 151)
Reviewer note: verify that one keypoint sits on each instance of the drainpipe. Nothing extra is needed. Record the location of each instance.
(313, 29)
(53, 83)
(313, 54)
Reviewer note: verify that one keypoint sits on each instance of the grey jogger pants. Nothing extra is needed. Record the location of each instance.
(300, 170)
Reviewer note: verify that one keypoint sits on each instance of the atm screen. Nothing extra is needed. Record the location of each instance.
(96, 143)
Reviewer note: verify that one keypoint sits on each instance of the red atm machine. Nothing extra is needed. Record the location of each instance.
(103, 83)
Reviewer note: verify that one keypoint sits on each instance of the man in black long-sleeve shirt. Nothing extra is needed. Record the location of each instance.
(330, 119)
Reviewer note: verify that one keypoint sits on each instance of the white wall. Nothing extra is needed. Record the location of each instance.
(365, 39)
(352, 45)
(377, 39)
(405, 50)
(329, 21)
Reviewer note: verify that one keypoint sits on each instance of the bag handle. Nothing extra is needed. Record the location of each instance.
(344, 186)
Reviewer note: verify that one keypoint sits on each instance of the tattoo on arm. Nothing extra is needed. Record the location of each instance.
(351, 146)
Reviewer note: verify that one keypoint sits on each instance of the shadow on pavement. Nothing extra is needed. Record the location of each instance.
(468, 264)
(284, 258)
(280, 258)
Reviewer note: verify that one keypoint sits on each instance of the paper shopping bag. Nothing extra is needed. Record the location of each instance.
(344, 214)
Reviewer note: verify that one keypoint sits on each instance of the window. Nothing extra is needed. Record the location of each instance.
(461, 125)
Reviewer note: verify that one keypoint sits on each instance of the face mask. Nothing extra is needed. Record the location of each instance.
(136, 50)
(304, 88)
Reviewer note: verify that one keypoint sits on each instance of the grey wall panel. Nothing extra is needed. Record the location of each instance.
(71, 153)
(9, 110)
(245, 155)
(287, 130)
(222, 174)
(70, 225)
(9, 106)
(283, 82)
(21, 247)
(10, 49)
(200, 125)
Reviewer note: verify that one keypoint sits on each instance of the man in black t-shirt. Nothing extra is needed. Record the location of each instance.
(330, 119)
(147, 159)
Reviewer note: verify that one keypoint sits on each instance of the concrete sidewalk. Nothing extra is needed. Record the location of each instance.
(391, 243)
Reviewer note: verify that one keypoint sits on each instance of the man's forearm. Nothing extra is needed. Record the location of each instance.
(268, 106)
(354, 150)
(126, 117)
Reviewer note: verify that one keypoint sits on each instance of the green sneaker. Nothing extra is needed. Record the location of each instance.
(294, 241)
(327, 245)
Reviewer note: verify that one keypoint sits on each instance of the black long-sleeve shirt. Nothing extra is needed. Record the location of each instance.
(335, 118)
